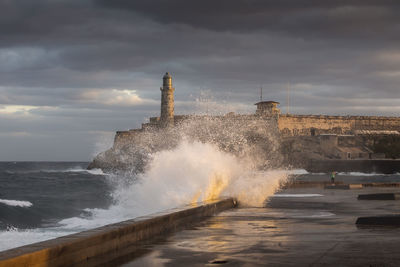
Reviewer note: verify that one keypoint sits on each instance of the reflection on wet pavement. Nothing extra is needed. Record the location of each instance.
(311, 230)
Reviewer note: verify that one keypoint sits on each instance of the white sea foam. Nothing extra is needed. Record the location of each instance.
(77, 169)
(92, 171)
(16, 203)
(14, 237)
(298, 172)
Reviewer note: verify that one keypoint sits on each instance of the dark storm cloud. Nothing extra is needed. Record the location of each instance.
(86, 67)
(83, 37)
(100, 43)
(309, 17)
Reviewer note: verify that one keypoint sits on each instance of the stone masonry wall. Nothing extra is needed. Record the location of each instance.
(167, 106)
(291, 125)
(300, 125)
(125, 137)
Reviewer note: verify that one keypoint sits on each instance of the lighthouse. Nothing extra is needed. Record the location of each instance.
(167, 102)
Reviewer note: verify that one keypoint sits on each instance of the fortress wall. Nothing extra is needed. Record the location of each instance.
(376, 123)
(289, 125)
(125, 137)
(296, 125)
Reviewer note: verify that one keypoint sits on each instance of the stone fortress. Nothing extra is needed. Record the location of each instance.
(303, 137)
(289, 124)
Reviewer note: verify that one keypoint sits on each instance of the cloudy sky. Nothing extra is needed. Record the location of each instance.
(74, 71)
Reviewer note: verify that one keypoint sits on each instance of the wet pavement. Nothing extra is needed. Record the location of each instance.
(299, 227)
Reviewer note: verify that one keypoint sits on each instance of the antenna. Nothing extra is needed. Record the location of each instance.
(288, 98)
(261, 91)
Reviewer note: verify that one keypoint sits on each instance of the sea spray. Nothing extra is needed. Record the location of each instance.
(252, 188)
(253, 139)
(200, 158)
(192, 172)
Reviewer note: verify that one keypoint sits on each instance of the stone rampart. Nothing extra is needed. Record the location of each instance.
(289, 125)
(300, 125)
(125, 137)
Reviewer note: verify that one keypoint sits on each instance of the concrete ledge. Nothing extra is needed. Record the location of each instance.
(306, 184)
(343, 186)
(337, 186)
(355, 186)
(387, 166)
(381, 185)
(81, 248)
(381, 196)
(386, 220)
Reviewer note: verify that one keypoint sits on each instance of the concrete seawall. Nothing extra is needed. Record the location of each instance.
(309, 184)
(101, 245)
(386, 166)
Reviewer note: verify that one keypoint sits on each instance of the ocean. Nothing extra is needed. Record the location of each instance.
(45, 200)
(42, 200)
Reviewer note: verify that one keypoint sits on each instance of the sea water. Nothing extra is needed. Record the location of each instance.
(44, 200)
(36, 196)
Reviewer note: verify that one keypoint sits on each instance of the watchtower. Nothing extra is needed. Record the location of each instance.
(268, 108)
(167, 102)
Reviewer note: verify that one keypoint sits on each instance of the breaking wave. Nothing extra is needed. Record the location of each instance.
(69, 170)
(16, 203)
(92, 171)
(190, 173)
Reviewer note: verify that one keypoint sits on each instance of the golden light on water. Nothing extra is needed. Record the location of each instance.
(217, 184)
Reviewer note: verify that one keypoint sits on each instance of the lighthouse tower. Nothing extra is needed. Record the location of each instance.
(167, 102)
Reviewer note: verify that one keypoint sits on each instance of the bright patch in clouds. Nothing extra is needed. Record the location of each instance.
(16, 109)
(113, 97)
(389, 73)
(15, 134)
(389, 56)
